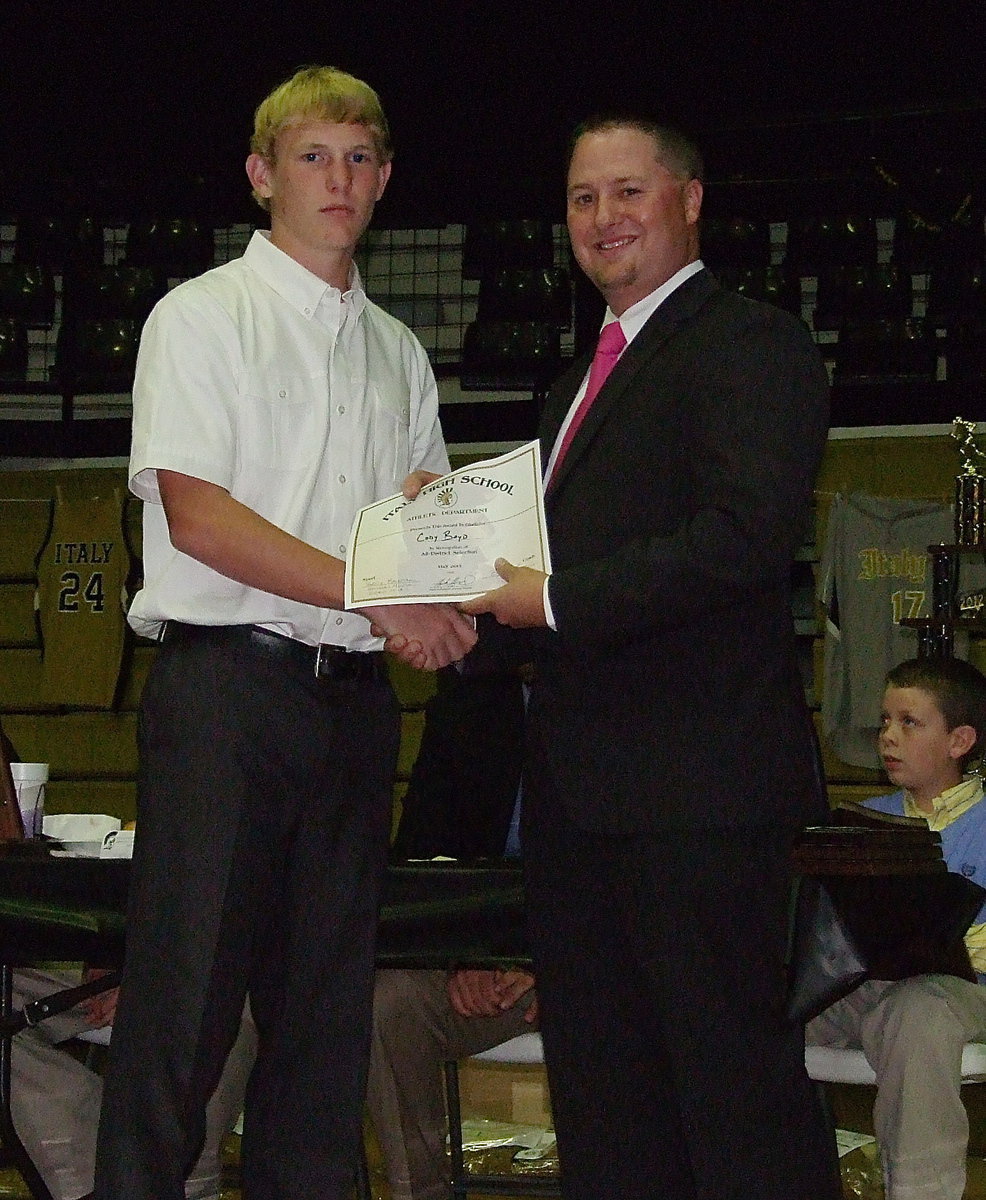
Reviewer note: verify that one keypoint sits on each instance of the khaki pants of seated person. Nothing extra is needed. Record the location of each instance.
(912, 1032)
(415, 1029)
(55, 1098)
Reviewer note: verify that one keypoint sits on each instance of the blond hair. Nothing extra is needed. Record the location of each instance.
(318, 94)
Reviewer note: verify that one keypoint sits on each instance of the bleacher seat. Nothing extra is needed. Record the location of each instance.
(883, 349)
(856, 292)
(956, 290)
(774, 284)
(736, 242)
(13, 350)
(107, 292)
(27, 292)
(55, 241)
(527, 294)
(97, 355)
(510, 356)
(490, 244)
(179, 246)
(820, 241)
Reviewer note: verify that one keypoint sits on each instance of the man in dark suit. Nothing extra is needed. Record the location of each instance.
(669, 760)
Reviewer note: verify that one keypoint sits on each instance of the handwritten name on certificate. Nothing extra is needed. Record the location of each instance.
(442, 545)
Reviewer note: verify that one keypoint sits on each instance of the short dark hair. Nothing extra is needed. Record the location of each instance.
(673, 147)
(958, 688)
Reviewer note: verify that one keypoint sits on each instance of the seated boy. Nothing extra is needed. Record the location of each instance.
(912, 1031)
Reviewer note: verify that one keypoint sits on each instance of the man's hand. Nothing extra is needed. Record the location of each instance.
(474, 993)
(519, 603)
(416, 481)
(425, 636)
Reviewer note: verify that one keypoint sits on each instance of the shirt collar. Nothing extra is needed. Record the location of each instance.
(302, 289)
(950, 805)
(637, 315)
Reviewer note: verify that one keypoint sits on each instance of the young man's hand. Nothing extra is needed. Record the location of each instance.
(416, 481)
(425, 636)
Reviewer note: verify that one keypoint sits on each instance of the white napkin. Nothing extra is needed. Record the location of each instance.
(80, 833)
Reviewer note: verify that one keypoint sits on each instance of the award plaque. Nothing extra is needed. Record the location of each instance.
(970, 487)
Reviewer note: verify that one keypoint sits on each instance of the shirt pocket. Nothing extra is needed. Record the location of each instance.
(284, 424)
(390, 437)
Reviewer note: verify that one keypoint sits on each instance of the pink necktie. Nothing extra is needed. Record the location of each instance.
(608, 349)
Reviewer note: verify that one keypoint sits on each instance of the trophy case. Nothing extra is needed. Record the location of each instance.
(949, 611)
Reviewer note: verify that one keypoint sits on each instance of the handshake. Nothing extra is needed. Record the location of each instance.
(438, 557)
(425, 636)
(429, 636)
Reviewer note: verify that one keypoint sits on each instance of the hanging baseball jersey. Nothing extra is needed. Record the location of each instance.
(80, 601)
(875, 571)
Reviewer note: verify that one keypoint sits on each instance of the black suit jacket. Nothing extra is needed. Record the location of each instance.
(670, 694)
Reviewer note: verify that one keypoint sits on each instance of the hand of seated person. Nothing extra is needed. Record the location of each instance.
(513, 984)
(473, 993)
(482, 993)
(99, 1010)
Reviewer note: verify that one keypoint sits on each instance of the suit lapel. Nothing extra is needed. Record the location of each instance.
(663, 323)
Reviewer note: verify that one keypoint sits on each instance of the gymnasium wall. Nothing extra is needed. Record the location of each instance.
(91, 748)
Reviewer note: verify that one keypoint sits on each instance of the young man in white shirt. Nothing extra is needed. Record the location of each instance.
(272, 399)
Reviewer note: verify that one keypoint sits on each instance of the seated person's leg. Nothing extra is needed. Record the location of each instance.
(223, 1111)
(913, 1033)
(837, 1026)
(414, 1030)
(54, 1098)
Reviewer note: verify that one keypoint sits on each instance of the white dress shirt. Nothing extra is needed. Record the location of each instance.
(303, 402)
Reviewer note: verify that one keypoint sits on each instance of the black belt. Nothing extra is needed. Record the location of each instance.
(334, 664)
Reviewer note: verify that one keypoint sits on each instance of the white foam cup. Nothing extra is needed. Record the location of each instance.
(29, 784)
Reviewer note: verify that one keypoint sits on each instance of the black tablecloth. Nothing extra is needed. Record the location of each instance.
(433, 913)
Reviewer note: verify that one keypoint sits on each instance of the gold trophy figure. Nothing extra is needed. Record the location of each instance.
(970, 487)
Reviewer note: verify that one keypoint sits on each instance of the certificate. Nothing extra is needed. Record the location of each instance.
(441, 546)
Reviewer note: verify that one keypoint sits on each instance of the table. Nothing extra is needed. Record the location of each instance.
(433, 914)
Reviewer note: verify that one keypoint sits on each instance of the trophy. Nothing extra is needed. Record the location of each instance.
(970, 488)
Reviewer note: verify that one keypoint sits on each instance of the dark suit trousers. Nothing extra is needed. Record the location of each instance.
(659, 965)
(263, 813)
